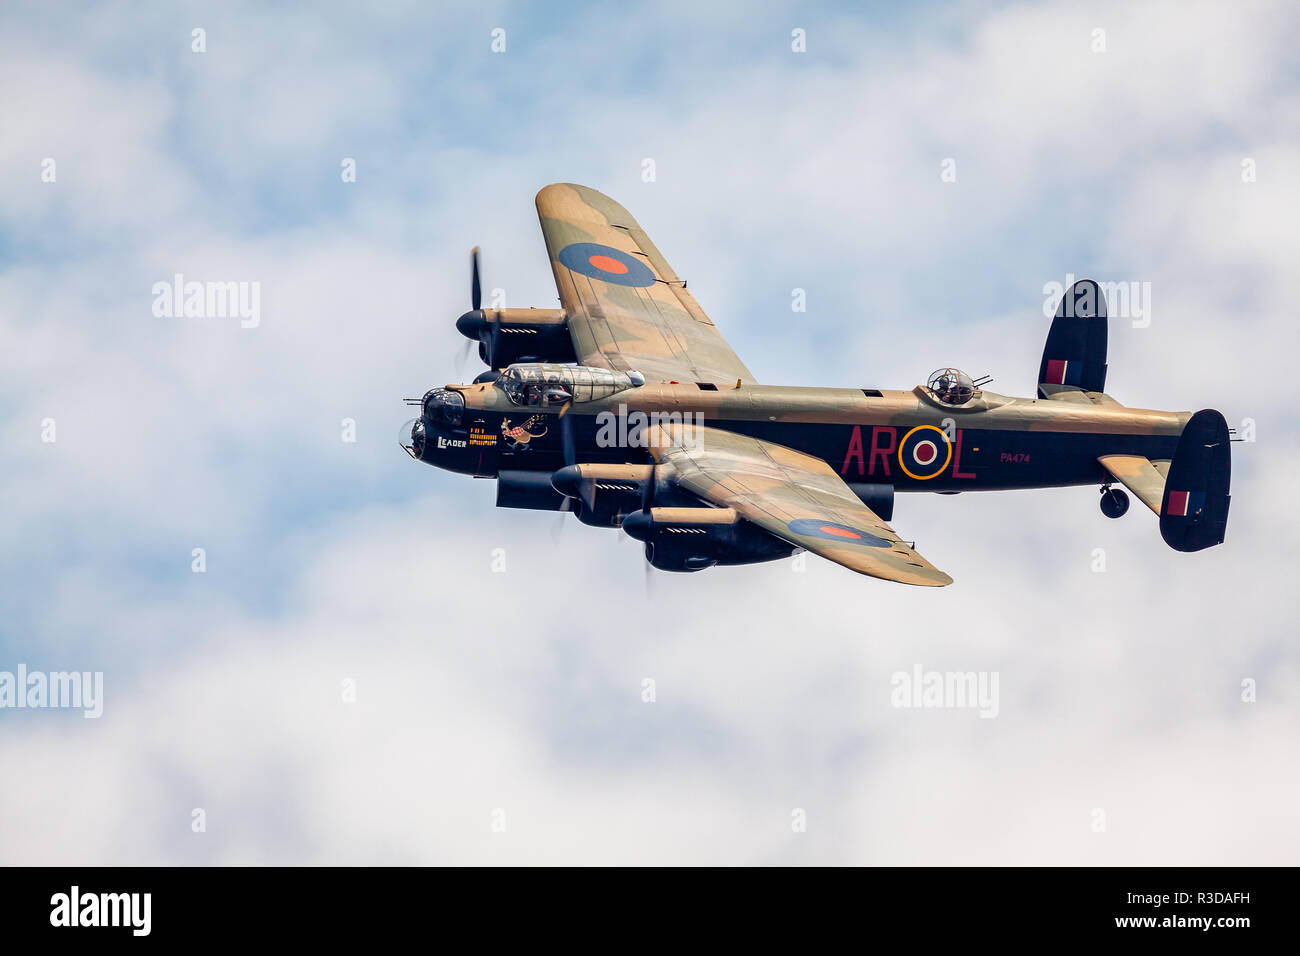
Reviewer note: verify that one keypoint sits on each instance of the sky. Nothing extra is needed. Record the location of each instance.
(376, 666)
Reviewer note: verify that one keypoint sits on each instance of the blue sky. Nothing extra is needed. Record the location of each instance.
(330, 561)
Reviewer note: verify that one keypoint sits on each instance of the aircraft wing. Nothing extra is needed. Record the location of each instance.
(794, 496)
(627, 309)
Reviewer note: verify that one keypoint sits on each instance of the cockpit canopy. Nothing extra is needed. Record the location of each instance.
(546, 384)
(951, 386)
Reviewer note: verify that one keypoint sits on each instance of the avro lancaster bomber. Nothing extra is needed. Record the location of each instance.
(627, 407)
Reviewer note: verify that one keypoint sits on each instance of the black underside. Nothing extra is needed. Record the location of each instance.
(980, 460)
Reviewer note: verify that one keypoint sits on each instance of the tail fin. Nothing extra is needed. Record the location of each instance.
(1074, 358)
(1194, 512)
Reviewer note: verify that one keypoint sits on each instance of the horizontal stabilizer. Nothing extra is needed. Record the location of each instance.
(1194, 510)
(1138, 475)
(1074, 357)
(1068, 393)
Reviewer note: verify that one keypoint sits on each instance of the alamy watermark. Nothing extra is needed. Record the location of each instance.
(1124, 300)
(624, 429)
(77, 908)
(208, 300)
(954, 690)
(82, 690)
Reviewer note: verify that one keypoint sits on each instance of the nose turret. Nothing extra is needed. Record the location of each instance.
(443, 411)
(440, 437)
(444, 407)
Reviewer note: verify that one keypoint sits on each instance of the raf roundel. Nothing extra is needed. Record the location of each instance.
(597, 261)
(817, 528)
(924, 452)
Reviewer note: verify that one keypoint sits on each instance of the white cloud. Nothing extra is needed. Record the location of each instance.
(465, 705)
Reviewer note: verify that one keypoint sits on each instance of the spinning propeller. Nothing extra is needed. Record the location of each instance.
(475, 304)
(475, 284)
(570, 456)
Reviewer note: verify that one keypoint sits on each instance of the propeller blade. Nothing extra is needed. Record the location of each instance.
(571, 455)
(566, 437)
(559, 521)
(648, 490)
(475, 286)
(460, 361)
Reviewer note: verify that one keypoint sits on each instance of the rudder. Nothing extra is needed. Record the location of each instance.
(1194, 511)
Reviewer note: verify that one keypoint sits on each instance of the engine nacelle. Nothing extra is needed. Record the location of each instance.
(603, 493)
(692, 539)
(879, 498)
(507, 336)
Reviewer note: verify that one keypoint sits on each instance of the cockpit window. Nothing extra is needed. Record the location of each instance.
(554, 385)
(951, 386)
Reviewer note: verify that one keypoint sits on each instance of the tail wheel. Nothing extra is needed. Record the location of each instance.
(1114, 503)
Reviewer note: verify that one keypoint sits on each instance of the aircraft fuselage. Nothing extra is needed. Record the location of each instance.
(907, 439)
